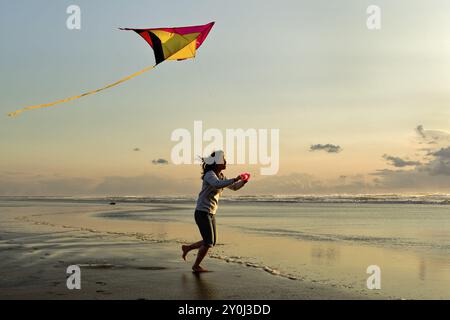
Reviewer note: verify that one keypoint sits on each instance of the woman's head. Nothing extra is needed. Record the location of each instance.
(215, 162)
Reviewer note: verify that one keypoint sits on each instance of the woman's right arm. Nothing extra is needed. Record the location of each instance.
(215, 182)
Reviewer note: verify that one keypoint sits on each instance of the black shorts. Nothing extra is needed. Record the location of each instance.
(206, 223)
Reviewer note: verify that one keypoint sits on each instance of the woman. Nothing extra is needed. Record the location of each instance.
(213, 183)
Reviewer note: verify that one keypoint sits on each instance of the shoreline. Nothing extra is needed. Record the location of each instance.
(108, 274)
(374, 198)
(116, 266)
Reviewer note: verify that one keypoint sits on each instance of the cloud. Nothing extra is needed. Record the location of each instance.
(443, 153)
(146, 185)
(330, 148)
(39, 185)
(286, 184)
(431, 174)
(399, 162)
(143, 185)
(439, 167)
(303, 183)
(421, 131)
(411, 180)
(433, 136)
(13, 173)
(440, 164)
(160, 161)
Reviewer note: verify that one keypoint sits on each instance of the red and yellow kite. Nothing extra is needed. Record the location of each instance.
(175, 43)
(168, 44)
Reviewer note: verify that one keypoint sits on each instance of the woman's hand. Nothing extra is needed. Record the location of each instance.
(237, 178)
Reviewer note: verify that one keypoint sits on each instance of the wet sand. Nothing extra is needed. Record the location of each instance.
(35, 253)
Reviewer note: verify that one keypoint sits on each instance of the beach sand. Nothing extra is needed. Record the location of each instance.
(39, 240)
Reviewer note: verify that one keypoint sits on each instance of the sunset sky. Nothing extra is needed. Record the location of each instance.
(311, 69)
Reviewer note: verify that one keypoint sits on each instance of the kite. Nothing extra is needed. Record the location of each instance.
(179, 43)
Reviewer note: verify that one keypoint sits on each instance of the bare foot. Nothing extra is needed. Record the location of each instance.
(185, 251)
(199, 269)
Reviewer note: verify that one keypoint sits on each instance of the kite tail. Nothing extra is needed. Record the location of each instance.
(46, 105)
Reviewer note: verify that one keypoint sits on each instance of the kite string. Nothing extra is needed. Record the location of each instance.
(46, 105)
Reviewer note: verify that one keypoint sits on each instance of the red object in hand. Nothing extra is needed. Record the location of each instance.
(245, 176)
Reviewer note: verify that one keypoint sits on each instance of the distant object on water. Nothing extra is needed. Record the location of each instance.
(112, 203)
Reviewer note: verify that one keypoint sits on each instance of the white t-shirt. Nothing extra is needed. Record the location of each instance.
(212, 188)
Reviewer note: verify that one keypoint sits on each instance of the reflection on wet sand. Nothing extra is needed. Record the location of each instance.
(202, 289)
(356, 237)
(322, 254)
(422, 269)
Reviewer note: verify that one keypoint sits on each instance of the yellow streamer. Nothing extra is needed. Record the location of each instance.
(46, 105)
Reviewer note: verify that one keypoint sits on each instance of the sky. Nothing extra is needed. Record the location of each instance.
(358, 110)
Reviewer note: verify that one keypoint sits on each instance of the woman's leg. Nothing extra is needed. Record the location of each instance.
(205, 223)
(210, 242)
(200, 256)
(190, 247)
